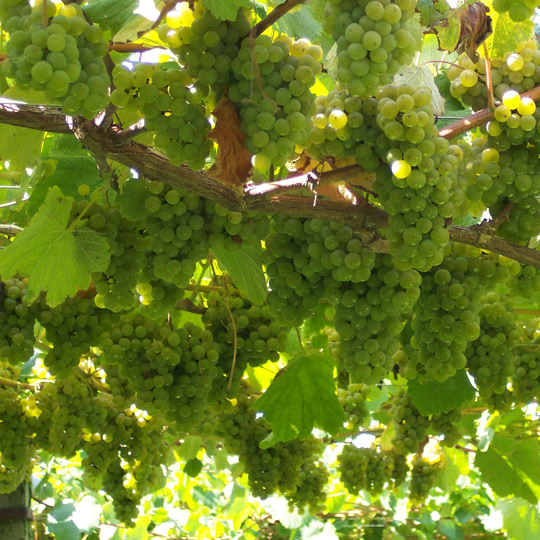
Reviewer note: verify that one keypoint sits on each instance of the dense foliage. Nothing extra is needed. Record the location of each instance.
(264, 274)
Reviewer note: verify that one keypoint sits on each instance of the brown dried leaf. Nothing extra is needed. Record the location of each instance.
(475, 28)
(233, 162)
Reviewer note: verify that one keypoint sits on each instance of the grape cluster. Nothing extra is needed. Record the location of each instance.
(205, 45)
(273, 95)
(309, 490)
(353, 402)
(245, 332)
(365, 468)
(169, 371)
(415, 187)
(17, 319)
(446, 317)
(172, 109)
(506, 181)
(64, 59)
(272, 469)
(518, 10)
(374, 39)
(308, 260)
(424, 475)
(410, 426)
(154, 258)
(518, 71)
(490, 357)
(71, 328)
(524, 281)
(369, 319)
(446, 424)
(16, 446)
(526, 361)
(344, 126)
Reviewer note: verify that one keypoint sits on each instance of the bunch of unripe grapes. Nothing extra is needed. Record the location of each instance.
(272, 92)
(526, 361)
(519, 71)
(373, 41)
(272, 469)
(17, 448)
(243, 331)
(490, 357)
(64, 59)
(17, 319)
(518, 10)
(205, 45)
(120, 457)
(343, 126)
(170, 371)
(446, 424)
(445, 320)
(499, 179)
(353, 402)
(171, 106)
(365, 469)
(410, 426)
(415, 187)
(424, 475)
(308, 260)
(524, 281)
(369, 319)
(310, 489)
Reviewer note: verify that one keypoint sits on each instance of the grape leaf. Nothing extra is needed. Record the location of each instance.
(120, 18)
(20, 146)
(520, 519)
(507, 35)
(422, 76)
(244, 266)
(301, 398)
(501, 474)
(300, 24)
(435, 397)
(74, 166)
(131, 201)
(226, 11)
(56, 259)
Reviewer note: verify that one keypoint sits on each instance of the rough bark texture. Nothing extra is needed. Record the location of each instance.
(114, 143)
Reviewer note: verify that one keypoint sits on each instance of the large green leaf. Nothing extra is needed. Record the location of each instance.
(56, 259)
(60, 523)
(118, 17)
(520, 519)
(226, 11)
(301, 398)
(244, 266)
(300, 24)
(502, 476)
(87, 515)
(435, 397)
(20, 146)
(507, 34)
(74, 166)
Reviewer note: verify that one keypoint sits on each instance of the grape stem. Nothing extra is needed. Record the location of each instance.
(15, 384)
(131, 47)
(10, 229)
(489, 80)
(152, 164)
(275, 15)
(44, 18)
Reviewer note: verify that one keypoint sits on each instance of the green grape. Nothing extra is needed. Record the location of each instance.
(373, 40)
(411, 427)
(423, 477)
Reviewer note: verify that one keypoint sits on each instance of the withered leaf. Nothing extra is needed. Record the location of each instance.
(233, 162)
(475, 28)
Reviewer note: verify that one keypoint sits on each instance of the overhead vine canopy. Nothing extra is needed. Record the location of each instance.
(269, 269)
